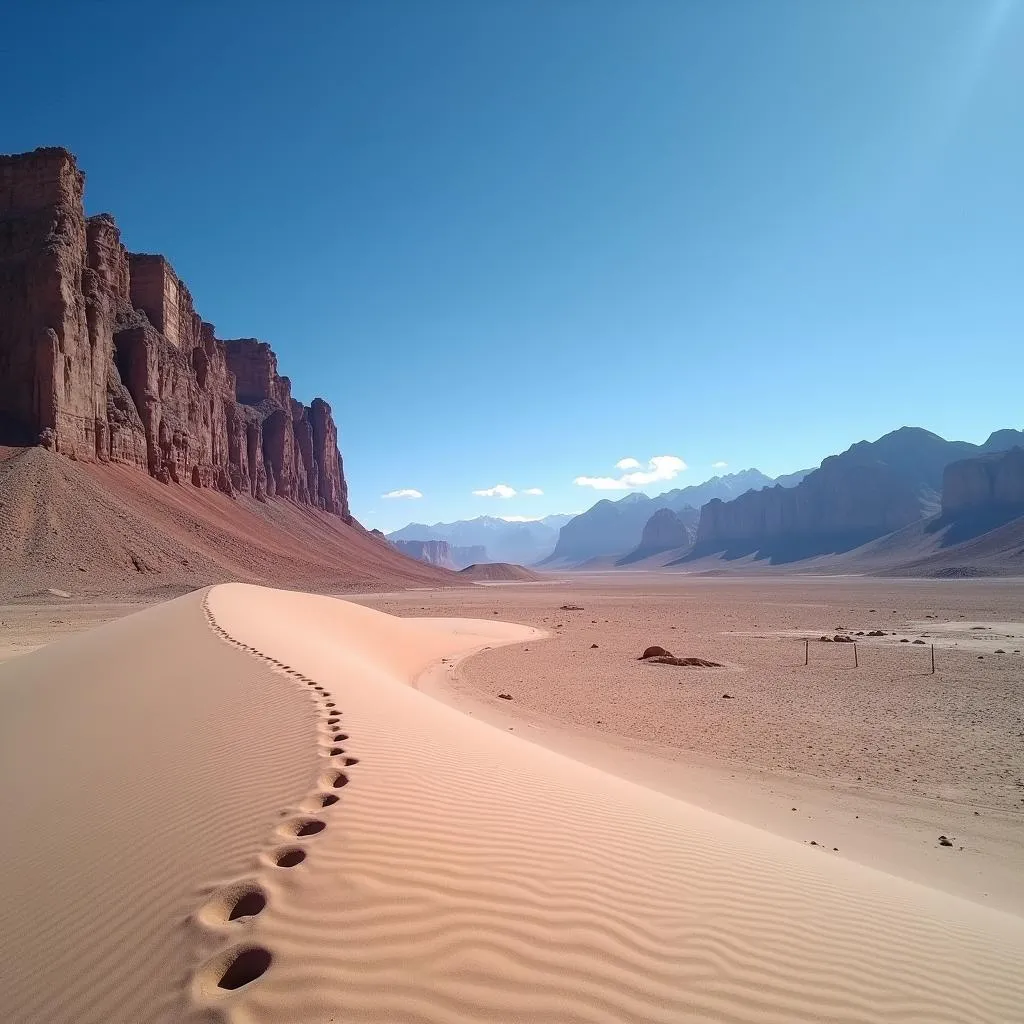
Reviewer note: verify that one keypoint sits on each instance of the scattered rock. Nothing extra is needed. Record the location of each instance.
(918, 641)
(504, 696)
(813, 843)
(655, 652)
(904, 641)
(840, 639)
(876, 632)
(571, 608)
(1000, 651)
(945, 841)
(825, 639)
(727, 696)
(593, 647)
(53, 592)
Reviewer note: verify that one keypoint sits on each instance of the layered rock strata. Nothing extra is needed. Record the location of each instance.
(103, 357)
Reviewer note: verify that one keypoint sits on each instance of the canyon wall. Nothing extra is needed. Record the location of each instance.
(434, 552)
(873, 488)
(990, 482)
(103, 357)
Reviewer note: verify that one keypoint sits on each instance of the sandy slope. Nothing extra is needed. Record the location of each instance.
(463, 875)
(91, 529)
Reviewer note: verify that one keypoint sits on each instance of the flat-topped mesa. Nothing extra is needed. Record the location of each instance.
(103, 357)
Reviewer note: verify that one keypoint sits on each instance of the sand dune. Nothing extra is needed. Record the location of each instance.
(165, 762)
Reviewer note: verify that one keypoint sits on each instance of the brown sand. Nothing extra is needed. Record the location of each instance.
(163, 761)
(879, 760)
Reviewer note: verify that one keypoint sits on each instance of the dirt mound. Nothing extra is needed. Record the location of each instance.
(93, 530)
(660, 656)
(671, 659)
(499, 571)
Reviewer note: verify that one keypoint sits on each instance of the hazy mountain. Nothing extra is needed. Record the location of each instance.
(525, 543)
(615, 527)
(866, 492)
(666, 530)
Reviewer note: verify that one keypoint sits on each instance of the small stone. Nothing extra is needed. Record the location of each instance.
(727, 696)
(593, 647)
(504, 696)
(944, 841)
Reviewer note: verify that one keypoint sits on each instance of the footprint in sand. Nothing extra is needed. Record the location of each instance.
(302, 827)
(234, 903)
(244, 966)
(290, 857)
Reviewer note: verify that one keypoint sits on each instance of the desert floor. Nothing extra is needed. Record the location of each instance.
(877, 761)
(254, 806)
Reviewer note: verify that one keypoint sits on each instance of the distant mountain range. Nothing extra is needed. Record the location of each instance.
(872, 489)
(910, 502)
(502, 541)
(614, 529)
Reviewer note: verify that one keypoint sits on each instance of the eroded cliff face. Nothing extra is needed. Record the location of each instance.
(873, 488)
(434, 552)
(991, 482)
(103, 357)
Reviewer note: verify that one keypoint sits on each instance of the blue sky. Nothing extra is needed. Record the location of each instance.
(517, 242)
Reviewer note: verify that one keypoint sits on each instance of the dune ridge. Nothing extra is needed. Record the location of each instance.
(472, 876)
(462, 874)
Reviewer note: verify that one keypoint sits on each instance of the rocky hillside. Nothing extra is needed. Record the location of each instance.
(872, 489)
(104, 359)
(106, 529)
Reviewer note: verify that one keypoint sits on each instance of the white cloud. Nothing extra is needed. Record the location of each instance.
(521, 519)
(405, 492)
(497, 491)
(533, 490)
(661, 467)
(719, 465)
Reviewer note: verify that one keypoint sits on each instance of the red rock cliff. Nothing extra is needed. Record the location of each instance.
(102, 356)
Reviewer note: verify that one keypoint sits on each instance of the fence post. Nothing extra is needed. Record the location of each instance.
(807, 650)
(856, 663)
(933, 659)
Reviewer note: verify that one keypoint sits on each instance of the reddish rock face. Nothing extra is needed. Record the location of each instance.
(102, 356)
